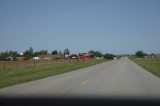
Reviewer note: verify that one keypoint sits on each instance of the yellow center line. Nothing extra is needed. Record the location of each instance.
(84, 82)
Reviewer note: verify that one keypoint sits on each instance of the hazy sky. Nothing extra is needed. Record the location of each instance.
(113, 26)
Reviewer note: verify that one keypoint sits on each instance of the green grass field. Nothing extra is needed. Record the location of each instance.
(15, 76)
(152, 65)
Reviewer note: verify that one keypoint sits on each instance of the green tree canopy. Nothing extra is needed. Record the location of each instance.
(41, 52)
(66, 51)
(140, 54)
(8, 55)
(95, 53)
(28, 54)
(108, 56)
(54, 52)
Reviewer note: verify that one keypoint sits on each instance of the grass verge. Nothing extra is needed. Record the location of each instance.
(150, 64)
(11, 77)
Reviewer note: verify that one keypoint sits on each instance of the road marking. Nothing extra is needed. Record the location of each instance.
(84, 82)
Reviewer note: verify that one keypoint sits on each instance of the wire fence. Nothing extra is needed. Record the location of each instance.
(7, 65)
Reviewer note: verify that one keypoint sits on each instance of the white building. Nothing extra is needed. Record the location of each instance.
(36, 58)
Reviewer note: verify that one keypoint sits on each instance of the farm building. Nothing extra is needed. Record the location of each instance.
(153, 56)
(85, 56)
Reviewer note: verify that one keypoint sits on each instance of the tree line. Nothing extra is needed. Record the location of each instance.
(99, 54)
(142, 54)
(29, 54)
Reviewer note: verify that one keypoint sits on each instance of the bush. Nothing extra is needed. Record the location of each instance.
(108, 56)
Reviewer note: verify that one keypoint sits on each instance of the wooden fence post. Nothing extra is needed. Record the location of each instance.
(16, 63)
(4, 65)
(26, 63)
(34, 63)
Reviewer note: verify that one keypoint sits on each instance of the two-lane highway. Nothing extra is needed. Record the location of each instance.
(117, 78)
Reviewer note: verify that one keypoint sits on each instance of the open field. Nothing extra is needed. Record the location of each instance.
(19, 75)
(150, 64)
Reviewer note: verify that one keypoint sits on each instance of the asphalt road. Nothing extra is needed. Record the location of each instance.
(117, 78)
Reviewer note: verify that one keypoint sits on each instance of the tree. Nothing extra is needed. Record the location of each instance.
(66, 51)
(11, 55)
(44, 52)
(140, 54)
(59, 52)
(54, 52)
(95, 53)
(3, 56)
(28, 54)
(91, 52)
(41, 52)
(108, 56)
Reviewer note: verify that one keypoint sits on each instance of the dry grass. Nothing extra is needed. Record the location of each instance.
(20, 75)
(7, 65)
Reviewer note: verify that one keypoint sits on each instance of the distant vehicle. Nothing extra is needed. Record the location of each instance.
(73, 56)
(36, 58)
